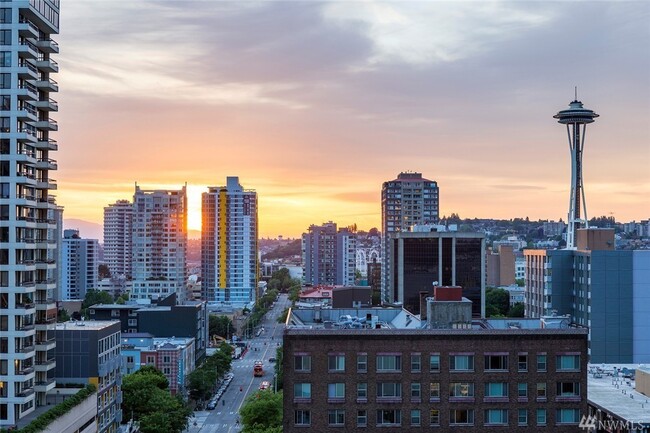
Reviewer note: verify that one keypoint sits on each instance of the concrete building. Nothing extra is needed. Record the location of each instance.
(420, 259)
(500, 266)
(174, 357)
(118, 219)
(602, 289)
(552, 228)
(387, 373)
(27, 208)
(329, 255)
(80, 265)
(405, 201)
(90, 352)
(229, 244)
(352, 297)
(159, 243)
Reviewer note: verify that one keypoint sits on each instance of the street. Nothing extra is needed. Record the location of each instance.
(224, 417)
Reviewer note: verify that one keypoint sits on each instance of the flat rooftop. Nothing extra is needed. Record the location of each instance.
(610, 392)
(85, 325)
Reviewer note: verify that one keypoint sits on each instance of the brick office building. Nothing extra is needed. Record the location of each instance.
(487, 377)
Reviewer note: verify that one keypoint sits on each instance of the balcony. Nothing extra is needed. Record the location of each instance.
(46, 183)
(25, 306)
(47, 124)
(27, 29)
(46, 164)
(27, 91)
(45, 365)
(45, 345)
(47, 104)
(47, 65)
(44, 386)
(27, 50)
(27, 113)
(25, 393)
(49, 85)
(27, 71)
(47, 45)
(25, 371)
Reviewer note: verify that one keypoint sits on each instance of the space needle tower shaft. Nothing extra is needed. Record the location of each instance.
(576, 118)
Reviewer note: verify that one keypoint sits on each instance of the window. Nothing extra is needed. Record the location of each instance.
(336, 417)
(362, 390)
(496, 362)
(133, 322)
(336, 391)
(151, 360)
(389, 363)
(567, 416)
(496, 389)
(416, 362)
(522, 363)
(434, 417)
(302, 390)
(336, 362)
(522, 417)
(461, 363)
(302, 417)
(415, 417)
(5, 15)
(496, 416)
(568, 363)
(389, 390)
(541, 416)
(541, 362)
(416, 390)
(461, 416)
(434, 390)
(362, 418)
(522, 390)
(389, 417)
(568, 389)
(302, 363)
(5, 58)
(5, 37)
(362, 363)
(5, 79)
(434, 363)
(458, 389)
(541, 390)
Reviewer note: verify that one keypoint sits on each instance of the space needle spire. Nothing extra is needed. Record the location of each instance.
(576, 118)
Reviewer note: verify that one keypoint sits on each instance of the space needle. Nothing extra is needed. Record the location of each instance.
(576, 118)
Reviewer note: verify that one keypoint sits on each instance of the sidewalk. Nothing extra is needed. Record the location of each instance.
(195, 422)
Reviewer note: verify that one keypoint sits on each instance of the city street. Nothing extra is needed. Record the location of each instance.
(223, 418)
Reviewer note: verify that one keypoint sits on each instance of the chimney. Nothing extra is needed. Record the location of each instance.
(448, 293)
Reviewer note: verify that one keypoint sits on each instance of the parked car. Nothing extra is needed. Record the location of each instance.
(264, 385)
(211, 405)
(272, 359)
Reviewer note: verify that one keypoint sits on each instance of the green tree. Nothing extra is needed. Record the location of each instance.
(221, 326)
(262, 410)
(497, 302)
(94, 297)
(516, 310)
(201, 382)
(103, 272)
(520, 282)
(62, 315)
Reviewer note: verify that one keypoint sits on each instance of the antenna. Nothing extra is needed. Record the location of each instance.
(576, 89)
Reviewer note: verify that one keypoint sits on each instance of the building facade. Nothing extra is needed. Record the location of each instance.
(229, 233)
(467, 379)
(118, 218)
(406, 201)
(79, 266)
(602, 289)
(27, 209)
(90, 352)
(420, 259)
(329, 255)
(500, 266)
(159, 243)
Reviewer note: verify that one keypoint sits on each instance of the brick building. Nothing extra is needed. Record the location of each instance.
(498, 375)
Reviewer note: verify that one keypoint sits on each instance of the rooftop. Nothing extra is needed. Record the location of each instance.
(609, 391)
(85, 325)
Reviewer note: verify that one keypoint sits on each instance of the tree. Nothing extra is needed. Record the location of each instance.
(103, 271)
(262, 410)
(497, 302)
(516, 310)
(63, 315)
(94, 297)
(221, 326)
(520, 282)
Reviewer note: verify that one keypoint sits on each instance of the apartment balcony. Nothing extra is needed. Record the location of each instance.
(25, 395)
(45, 345)
(26, 308)
(44, 386)
(27, 50)
(26, 371)
(47, 65)
(26, 156)
(46, 164)
(47, 144)
(27, 71)
(46, 183)
(27, 113)
(48, 85)
(47, 45)
(26, 135)
(48, 104)
(45, 365)
(27, 29)
(24, 353)
(27, 91)
(45, 306)
(47, 124)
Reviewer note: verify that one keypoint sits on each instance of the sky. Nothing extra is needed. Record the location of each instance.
(316, 104)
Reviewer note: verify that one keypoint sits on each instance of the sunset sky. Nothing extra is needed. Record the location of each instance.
(314, 105)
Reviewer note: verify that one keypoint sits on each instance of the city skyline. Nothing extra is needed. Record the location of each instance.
(315, 122)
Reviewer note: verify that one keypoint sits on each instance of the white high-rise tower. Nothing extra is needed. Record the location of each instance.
(117, 237)
(576, 119)
(27, 209)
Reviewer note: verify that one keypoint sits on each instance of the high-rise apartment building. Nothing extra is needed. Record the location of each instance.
(117, 237)
(27, 220)
(80, 262)
(229, 244)
(159, 243)
(406, 201)
(329, 255)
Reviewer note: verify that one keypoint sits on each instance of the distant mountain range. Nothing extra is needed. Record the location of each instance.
(91, 230)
